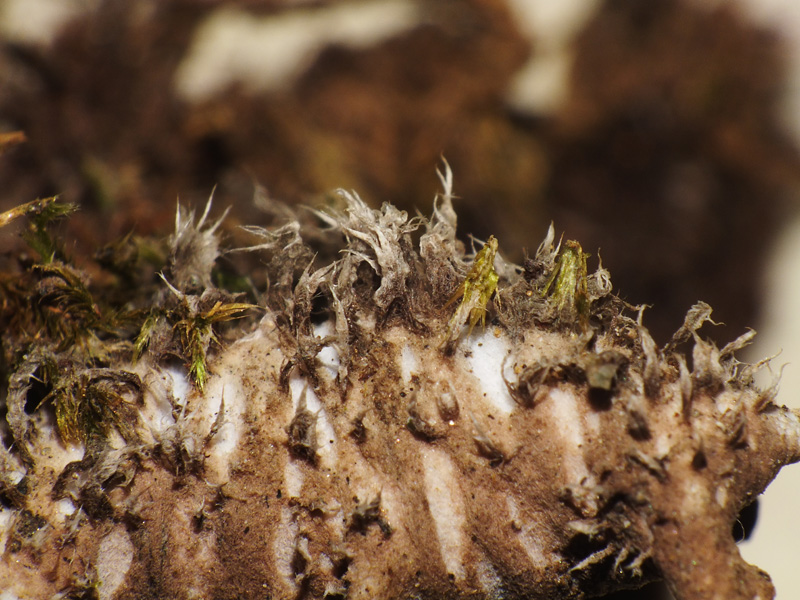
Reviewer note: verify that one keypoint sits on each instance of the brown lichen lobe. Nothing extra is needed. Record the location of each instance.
(555, 453)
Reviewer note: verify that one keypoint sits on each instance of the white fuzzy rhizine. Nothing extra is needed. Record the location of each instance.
(64, 508)
(114, 558)
(50, 451)
(489, 579)
(328, 356)
(564, 414)
(721, 496)
(324, 432)
(485, 355)
(6, 520)
(529, 535)
(284, 543)
(292, 479)
(446, 507)
(165, 388)
(180, 385)
(696, 497)
(367, 483)
(409, 363)
(226, 394)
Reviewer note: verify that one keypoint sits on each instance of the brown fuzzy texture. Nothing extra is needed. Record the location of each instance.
(596, 461)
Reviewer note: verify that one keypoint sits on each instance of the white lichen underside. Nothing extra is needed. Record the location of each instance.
(446, 506)
(485, 355)
(114, 558)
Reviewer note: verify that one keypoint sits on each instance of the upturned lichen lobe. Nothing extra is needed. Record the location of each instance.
(364, 439)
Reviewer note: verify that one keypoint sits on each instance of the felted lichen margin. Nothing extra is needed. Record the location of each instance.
(337, 451)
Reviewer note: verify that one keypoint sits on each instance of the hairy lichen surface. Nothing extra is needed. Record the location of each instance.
(338, 449)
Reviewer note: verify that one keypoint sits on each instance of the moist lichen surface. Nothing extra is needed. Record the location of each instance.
(406, 420)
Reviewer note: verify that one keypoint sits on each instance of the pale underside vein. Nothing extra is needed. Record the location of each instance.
(446, 507)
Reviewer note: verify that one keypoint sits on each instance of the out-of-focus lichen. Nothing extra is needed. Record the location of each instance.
(8, 140)
(644, 445)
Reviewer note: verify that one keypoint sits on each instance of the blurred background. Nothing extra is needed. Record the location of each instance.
(661, 134)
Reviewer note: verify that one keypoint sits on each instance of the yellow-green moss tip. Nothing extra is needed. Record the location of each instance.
(40, 214)
(475, 292)
(94, 401)
(197, 332)
(567, 286)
